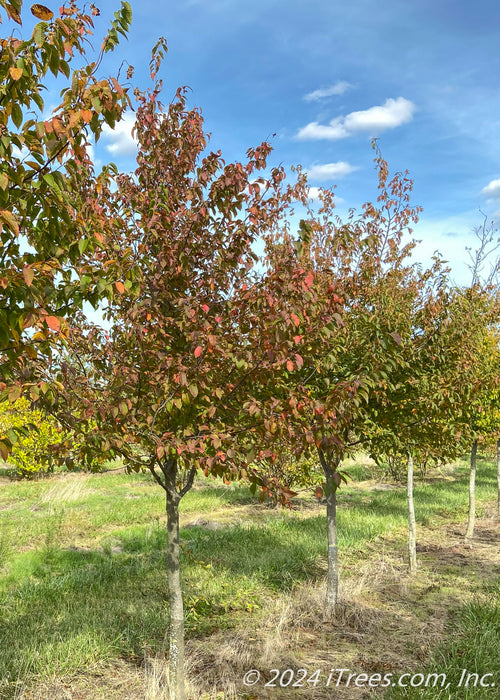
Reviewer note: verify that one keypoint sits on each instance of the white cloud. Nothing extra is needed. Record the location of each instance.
(315, 131)
(492, 189)
(330, 171)
(119, 140)
(391, 114)
(338, 89)
(314, 193)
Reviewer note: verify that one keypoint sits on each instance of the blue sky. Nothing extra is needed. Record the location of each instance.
(326, 77)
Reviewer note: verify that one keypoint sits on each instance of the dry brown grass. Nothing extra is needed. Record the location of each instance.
(66, 489)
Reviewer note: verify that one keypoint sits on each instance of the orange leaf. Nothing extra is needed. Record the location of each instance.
(319, 492)
(289, 366)
(13, 13)
(4, 451)
(120, 287)
(15, 73)
(28, 275)
(297, 339)
(15, 393)
(309, 280)
(10, 220)
(87, 115)
(198, 351)
(53, 322)
(295, 319)
(41, 12)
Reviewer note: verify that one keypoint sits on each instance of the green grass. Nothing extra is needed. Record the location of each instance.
(82, 560)
(471, 653)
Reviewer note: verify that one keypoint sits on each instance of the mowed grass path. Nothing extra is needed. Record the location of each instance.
(82, 559)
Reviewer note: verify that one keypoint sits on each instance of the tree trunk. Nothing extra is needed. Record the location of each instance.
(498, 477)
(472, 493)
(332, 577)
(176, 630)
(412, 525)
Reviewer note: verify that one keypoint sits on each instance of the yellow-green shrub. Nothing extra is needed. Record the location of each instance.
(33, 434)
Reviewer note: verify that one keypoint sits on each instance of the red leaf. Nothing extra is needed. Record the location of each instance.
(299, 360)
(295, 319)
(205, 308)
(198, 351)
(297, 339)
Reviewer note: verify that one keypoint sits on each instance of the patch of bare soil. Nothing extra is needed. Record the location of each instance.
(387, 622)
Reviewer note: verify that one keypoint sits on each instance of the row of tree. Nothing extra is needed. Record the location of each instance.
(216, 358)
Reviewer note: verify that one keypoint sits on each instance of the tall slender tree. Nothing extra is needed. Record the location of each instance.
(185, 380)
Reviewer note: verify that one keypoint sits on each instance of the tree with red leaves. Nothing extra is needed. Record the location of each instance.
(202, 339)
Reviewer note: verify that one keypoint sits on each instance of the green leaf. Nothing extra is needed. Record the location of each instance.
(17, 114)
(39, 33)
(83, 244)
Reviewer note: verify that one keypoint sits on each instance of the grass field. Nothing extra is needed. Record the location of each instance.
(83, 600)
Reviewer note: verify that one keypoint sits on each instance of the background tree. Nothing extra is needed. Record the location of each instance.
(485, 270)
(426, 412)
(484, 426)
(324, 406)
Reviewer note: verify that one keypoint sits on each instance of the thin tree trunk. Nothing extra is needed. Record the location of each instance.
(471, 521)
(412, 525)
(498, 477)
(332, 577)
(176, 631)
